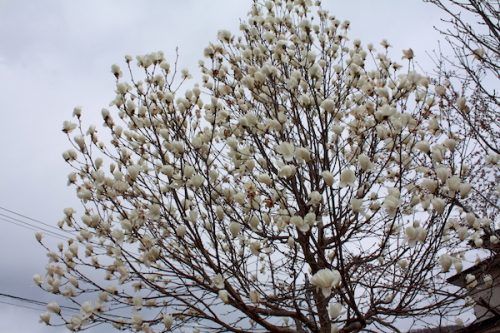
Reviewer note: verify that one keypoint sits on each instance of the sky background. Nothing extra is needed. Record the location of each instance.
(55, 55)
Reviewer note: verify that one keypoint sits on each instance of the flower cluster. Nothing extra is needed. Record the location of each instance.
(309, 151)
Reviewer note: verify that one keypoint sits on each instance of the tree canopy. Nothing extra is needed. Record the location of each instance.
(308, 184)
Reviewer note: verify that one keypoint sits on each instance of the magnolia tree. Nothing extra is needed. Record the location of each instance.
(470, 101)
(467, 86)
(308, 185)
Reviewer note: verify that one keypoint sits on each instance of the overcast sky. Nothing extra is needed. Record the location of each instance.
(55, 55)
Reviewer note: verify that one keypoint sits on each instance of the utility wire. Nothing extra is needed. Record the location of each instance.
(33, 219)
(30, 226)
(22, 306)
(34, 302)
(34, 227)
(31, 304)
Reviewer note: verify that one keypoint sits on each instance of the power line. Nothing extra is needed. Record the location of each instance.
(32, 219)
(21, 306)
(30, 226)
(33, 302)
(34, 227)
(41, 303)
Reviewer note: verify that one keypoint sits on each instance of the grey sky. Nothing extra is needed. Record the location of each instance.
(57, 54)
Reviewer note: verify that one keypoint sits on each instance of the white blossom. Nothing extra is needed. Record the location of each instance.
(453, 183)
(299, 223)
(337, 129)
(411, 235)
(137, 319)
(440, 90)
(335, 309)
(347, 177)
(462, 104)
(224, 36)
(445, 261)
(254, 296)
(68, 126)
(303, 154)
(438, 204)
(37, 279)
(315, 198)
(287, 171)
(488, 280)
(218, 281)
(87, 307)
(219, 213)
(364, 162)
(310, 219)
(168, 321)
(457, 263)
(479, 53)
(356, 205)
(408, 54)
(265, 179)
(181, 230)
(423, 146)
(286, 150)
(459, 322)
(327, 177)
(465, 190)
(391, 203)
(196, 180)
(450, 144)
(462, 233)
(77, 112)
(54, 307)
(429, 184)
(470, 281)
(255, 247)
(45, 318)
(235, 228)
(223, 295)
(328, 105)
(116, 71)
(69, 155)
(326, 279)
(469, 301)
(443, 173)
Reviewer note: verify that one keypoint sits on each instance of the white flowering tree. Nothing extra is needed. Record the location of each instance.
(467, 89)
(470, 101)
(308, 185)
